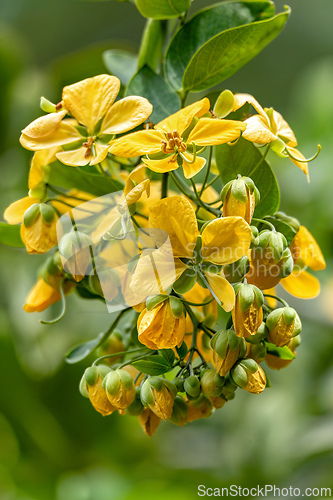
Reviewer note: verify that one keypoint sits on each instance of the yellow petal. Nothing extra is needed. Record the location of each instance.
(225, 240)
(126, 114)
(100, 152)
(78, 158)
(136, 176)
(258, 130)
(155, 272)
(191, 169)
(304, 246)
(283, 130)
(65, 133)
(15, 212)
(41, 296)
(302, 285)
(210, 132)
(167, 164)
(300, 164)
(89, 100)
(222, 289)
(39, 237)
(270, 301)
(181, 120)
(137, 144)
(135, 194)
(175, 217)
(39, 160)
(241, 99)
(44, 125)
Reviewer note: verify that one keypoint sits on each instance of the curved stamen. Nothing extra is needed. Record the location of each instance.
(306, 160)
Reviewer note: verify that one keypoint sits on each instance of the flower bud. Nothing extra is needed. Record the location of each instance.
(136, 407)
(120, 388)
(159, 394)
(236, 271)
(211, 383)
(113, 345)
(199, 408)
(257, 352)
(247, 313)
(47, 105)
(149, 421)
(229, 389)
(274, 359)
(179, 412)
(38, 230)
(217, 401)
(283, 324)
(185, 282)
(259, 336)
(159, 328)
(75, 249)
(248, 375)
(192, 386)
(239, 198)
(224, 104)
(91, 385)
(227, 348)
(291, 221)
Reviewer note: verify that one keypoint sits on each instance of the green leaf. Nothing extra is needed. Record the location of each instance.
(245, 159)
(81, 351)
(148, 84)
(168, 355)
(121, 63)
(154, 365)
(282, 227)
(280, 352)
(219, 40)
(182, 350)
(162, 9)
(10, 235)
(68, 177)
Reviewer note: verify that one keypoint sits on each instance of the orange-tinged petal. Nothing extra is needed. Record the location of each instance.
(89, 100)
(175, 217)
(44, 125)
(167, 164)
(126, 114)
(304, 246)
(65, 133)
(137, 144)
(191, 169)
(283, 130)
(210, 132)
(303, 165)
(181, 120)
(302, 285)
(222, 289)
(225, 240)
(241, 99)
(258, 130)
(41, 296)
(15, 212)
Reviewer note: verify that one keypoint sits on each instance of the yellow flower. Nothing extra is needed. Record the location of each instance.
(149, 421)
(158, 394)
(223, 240)
(85, 138)
(199, 408)
(247, 315)
(306, 253)
(269, 127)
(172, 141)
(119, 388)
(39, 170)
(159, 328)
(44, 294)
(91, 386)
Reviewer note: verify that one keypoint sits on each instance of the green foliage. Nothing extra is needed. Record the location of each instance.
(162, 9)
(82, 351)
(10, 235)
(148, 84)
(154, 365)
(218, 41)
(245, 159)
(121, 63)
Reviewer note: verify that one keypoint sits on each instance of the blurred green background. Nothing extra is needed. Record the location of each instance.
(53, 445)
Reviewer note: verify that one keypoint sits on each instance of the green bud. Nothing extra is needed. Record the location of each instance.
(47, 105)
(224, 104)
(237, 270)
(239, 375)
(287, 265)
(38, 191)
(48, 213)
(179, 383)
(91, 375)
(31, 214)
(192, 386)
(154, 300)
(147, 396)
(212, 383)
(277, 245)
(259, 336)
(179, 411)
(249, 365)
(176, 306)
(246, 297)
(135, 408)
(225, 190)
(239, 191)
(83, 387)
(186, 281)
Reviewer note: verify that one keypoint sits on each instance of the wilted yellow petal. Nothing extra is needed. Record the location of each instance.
(137, 144)
(176, 217)
(65, 133)
(303, 165)
(136, 193)
(225, 240)
(210, 132)
(89, 100)
(222, 289)
(166, 164)
(304, 246)
(181, 120)
(241, 99)
(15, 212)
(126, 114)
(149, 421)
(258, 130)
(302, 285)
(283, 130)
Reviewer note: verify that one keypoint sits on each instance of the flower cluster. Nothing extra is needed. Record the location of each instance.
(190, 267)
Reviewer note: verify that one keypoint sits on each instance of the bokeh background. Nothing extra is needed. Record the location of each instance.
(53, 445)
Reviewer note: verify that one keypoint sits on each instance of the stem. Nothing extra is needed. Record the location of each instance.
(283, 302)
(212, 181)
(63, 310)
(165, 178)
(262, 221)
(107, 177)
(121, 353)
(150, 52)
(207, 171)
(261, 160)
(197, 304)
(202, 203)
(183, 96)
